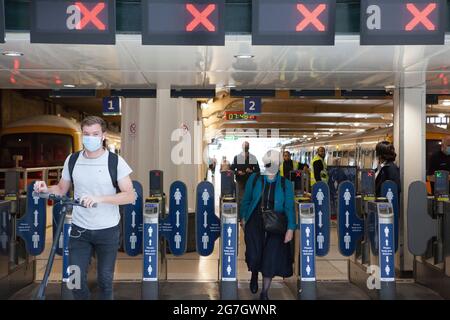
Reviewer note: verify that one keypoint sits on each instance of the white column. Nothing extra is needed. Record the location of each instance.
(410, 143)
(138, 145)
(151, 147)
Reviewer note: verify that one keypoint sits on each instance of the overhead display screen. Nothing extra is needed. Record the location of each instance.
(182, 22)
(402, 22)
(293, 22)
(73, 22)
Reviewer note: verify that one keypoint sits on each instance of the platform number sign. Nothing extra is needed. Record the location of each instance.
(111, 106)
(252, 105)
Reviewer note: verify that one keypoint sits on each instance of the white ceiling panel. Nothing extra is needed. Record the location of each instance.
(129, 64)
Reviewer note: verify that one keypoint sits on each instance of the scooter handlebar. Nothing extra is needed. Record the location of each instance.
(64, 199)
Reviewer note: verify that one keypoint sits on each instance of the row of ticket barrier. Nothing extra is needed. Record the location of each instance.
(367, 230)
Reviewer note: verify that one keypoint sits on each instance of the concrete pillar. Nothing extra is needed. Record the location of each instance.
(410, 143)
(151, 147)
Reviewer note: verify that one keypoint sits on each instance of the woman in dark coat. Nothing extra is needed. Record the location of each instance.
(387, 169)
(266, 252)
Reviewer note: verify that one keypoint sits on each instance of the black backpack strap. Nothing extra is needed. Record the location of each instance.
(113, 162)
(72, 160)
(283, 184)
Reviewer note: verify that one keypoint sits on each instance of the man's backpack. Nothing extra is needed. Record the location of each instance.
(113, 162)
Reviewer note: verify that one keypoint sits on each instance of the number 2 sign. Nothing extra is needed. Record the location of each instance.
(252, 105)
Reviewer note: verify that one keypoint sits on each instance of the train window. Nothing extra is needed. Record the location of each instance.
(37, 149)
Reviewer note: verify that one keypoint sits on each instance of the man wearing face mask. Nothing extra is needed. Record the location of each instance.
(244, 164)
(440, 160)
(94, 228)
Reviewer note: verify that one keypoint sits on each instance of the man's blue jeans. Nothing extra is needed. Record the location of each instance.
(105, 243)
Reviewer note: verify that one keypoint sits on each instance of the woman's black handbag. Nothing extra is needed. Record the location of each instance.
(274, 222)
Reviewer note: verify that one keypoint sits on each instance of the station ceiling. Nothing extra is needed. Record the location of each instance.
(346, 65)
(128, 64)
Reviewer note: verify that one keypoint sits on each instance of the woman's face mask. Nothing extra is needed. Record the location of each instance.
(91, 143)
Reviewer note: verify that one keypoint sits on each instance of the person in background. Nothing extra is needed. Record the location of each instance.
(387, 169)
(244, 164)
(287, 165)
(319, 167)
(440, 160)
(225, 165)
(266, 252)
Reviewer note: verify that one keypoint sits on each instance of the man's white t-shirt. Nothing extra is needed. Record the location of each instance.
(91, 178)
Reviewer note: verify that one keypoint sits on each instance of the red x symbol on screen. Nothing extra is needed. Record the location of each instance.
(228, 174)
(298, 174)
(200, 17)
(90, 16)
(420, 16)
(157, 174)
(311, 17)
(370, 173)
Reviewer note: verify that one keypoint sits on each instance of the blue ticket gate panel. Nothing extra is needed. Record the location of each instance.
(321, 200)
(383, 252)
(307, 281)
(173, 227)
(133, 223)
(228, 250)
(389, 190)
(31, 227)
(150, 250)
(350, 226)
(207, 224)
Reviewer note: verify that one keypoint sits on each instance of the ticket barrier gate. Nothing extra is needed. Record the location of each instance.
(357, 225)
(382, 251)
(147, 228)
(16, 265)
(228, 249)
(209, 228)
(314, 233)
(429, 233)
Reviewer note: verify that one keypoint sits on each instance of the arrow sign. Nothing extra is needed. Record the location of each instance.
(178, 219)
(229, 259)
(205, 219)
(320, 219)
(36, 213)
(133, 219)
(229, 242)
(347, 215)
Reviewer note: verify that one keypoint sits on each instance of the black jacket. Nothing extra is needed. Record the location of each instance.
(389, 171)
